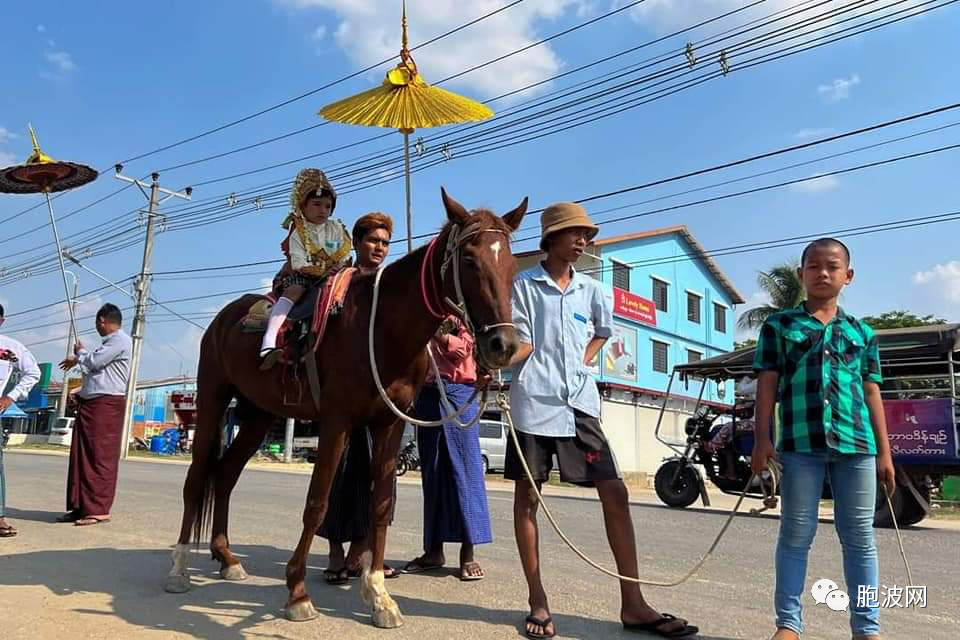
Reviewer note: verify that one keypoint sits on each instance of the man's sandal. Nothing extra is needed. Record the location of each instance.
(543, 623)
(654, 627)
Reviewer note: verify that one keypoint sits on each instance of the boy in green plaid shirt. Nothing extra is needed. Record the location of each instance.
(823, 368)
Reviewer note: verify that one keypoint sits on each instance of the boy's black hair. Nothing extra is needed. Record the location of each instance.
(825, 242)
(2, 314)
(110, 313)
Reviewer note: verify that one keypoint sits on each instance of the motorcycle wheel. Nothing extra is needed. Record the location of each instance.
(401, 467)
(678, 493)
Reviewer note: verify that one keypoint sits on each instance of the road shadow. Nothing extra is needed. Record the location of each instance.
(33, 516)
(219, 610)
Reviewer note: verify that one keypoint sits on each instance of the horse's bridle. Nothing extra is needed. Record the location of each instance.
(456, 239)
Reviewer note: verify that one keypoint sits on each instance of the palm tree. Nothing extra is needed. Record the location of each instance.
(784, 289)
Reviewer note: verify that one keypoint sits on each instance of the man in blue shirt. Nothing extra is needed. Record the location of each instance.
(562, 319)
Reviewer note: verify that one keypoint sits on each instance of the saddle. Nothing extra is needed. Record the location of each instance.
(306, 323)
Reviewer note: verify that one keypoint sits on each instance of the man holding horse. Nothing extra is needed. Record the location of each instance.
(556, 408)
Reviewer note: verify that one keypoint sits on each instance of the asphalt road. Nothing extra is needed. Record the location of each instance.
(60, 581)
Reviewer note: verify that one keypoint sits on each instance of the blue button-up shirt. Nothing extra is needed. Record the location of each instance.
(105, 371)
(554, 380)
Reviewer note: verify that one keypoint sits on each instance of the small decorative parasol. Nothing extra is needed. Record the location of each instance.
(42, 174)
(406, 102)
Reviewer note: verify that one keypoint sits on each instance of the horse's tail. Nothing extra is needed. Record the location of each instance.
(213, 398)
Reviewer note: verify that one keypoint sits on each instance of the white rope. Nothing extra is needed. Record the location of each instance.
(903, 552)
(504, 405)
(376, 373)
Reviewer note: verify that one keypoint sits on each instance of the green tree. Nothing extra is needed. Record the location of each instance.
(784, 290)
(901, 320)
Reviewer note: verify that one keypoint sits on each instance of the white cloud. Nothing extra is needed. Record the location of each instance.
(946, 278)
(368, 34)
(816, 185)
(61, 60)
(6, 135)
(839, 89)
(7, 159)
(806, 134)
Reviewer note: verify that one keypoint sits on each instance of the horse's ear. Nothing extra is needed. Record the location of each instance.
(455, 211)
(514, 218)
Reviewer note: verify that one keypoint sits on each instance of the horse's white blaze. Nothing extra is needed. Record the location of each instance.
(495, 247)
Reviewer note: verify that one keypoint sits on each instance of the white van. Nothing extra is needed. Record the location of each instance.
(62, 432)
(493, 443)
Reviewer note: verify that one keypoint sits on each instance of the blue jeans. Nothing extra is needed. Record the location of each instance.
(853, 479)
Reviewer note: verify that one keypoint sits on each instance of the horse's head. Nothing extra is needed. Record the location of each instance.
(482, 276)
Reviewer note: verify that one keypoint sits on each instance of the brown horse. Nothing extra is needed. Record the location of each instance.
(415, 292)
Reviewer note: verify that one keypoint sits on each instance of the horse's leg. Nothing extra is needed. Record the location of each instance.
(330, 447)
(386, 443)
(213, 397)
(255, 425)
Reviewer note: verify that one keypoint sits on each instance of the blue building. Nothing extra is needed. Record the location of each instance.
(672, 304)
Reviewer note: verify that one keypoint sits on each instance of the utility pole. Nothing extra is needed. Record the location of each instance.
(62, 407)
(142, 291)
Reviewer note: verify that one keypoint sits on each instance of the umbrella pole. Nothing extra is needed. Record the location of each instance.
(406, 176)
(63, 270)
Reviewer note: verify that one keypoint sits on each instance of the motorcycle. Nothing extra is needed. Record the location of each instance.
(407, 459)
(722, 449)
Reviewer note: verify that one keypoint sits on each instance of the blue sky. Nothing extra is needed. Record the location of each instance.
(101, 85)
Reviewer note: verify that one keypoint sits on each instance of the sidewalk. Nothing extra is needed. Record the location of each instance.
(642, 497)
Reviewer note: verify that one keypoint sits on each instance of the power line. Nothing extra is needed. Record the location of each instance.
(317, 90)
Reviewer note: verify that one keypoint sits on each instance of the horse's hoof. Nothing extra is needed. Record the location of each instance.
(388, 618)
(301, 611)
(177, 584)
(233, 572)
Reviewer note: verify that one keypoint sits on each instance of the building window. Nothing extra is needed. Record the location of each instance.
(694, 356)
(660, 295)
(719, 318)
(621, 276)
(659, 356)
(693, 307)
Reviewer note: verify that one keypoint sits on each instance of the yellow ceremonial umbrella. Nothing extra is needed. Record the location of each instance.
(406, 102)
(42, 174)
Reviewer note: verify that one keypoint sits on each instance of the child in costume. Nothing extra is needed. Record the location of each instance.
(316, 246)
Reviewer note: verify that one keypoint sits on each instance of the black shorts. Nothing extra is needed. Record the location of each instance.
(584, 459)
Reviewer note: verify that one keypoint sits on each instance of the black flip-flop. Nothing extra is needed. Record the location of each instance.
(654, 627)
(336, 577)
(89, 522)
(543, 623)
(417, 566)
(7, 532)
(70, 516)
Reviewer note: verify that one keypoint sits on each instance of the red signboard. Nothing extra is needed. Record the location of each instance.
(633, 307)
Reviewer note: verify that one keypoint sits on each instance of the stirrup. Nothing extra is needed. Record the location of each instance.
(270, 358)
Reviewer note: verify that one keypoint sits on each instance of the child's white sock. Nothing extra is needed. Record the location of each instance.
(277, 316)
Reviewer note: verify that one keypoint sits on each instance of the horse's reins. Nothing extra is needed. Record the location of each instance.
(769, 480)
(430, 288)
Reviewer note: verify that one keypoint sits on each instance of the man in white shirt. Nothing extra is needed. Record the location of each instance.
(98, 428)
(14, 357)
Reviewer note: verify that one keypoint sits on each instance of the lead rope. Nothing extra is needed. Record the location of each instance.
(769, 488)
(903, 552)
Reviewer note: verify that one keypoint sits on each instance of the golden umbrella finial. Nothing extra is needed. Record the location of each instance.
(42, 174)
(406, 102)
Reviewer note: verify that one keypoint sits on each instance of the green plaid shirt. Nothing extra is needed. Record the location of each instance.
(822, 372)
